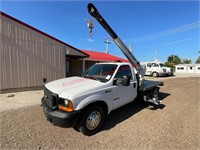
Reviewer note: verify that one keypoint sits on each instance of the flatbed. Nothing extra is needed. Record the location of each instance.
(149, 84)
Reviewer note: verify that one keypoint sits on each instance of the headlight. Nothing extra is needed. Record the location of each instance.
(66, 105)
(66, 102)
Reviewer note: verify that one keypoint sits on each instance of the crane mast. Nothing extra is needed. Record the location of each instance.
(92, 10)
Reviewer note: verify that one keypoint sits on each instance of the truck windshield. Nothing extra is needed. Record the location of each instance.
(162, 65)
(101, 72)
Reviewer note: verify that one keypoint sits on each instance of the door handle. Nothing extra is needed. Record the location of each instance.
(134, 85)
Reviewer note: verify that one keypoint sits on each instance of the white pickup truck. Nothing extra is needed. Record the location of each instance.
(83, 102)
(156, 69)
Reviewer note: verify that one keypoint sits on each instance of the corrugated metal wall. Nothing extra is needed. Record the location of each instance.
(28, 56)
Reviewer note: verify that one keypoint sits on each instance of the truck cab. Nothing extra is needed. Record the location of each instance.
(156, 69)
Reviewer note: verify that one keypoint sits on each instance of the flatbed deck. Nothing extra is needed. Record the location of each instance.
(149, 84)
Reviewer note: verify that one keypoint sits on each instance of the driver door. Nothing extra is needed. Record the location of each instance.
(124, 94)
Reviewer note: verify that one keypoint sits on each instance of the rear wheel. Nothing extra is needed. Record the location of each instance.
(154, 95)
(155, 74)
(91, 120)
(155, 92)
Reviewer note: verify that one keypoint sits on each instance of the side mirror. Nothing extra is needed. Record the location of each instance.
(115, 81)
(125, 81)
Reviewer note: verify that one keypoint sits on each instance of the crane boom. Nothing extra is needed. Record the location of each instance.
(92, 10)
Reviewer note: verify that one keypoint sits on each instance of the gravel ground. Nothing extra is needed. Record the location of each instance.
(20, 99)
(174, 125)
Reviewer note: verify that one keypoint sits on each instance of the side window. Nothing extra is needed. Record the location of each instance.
(148, 65)
(124, 71)
(154, 65)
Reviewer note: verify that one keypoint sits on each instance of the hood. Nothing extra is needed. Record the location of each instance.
(73, 86)
(168, 68)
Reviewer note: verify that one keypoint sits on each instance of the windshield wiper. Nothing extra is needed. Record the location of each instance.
(91, 77)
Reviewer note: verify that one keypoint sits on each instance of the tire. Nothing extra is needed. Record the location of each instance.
(76, 128)
(155, 92)
(92, 120)
(155, 74)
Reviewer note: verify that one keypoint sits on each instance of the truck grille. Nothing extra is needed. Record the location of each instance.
(164, 70)
(50, 98)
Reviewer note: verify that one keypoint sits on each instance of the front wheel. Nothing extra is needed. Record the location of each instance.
(91, 120)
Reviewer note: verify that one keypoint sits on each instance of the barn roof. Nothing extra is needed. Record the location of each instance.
(101, 56)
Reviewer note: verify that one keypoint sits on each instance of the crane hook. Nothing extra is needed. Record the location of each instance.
(90, 25)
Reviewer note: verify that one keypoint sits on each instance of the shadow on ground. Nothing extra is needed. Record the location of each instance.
(127, 111)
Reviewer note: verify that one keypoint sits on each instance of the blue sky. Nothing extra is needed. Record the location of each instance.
(164, 27)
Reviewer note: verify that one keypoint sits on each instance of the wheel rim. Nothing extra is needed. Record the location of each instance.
(155, 94)
(93, 120)
(154, 74)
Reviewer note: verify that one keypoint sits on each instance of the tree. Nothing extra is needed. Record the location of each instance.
(186, 61)
(173, 60)
(198, 60)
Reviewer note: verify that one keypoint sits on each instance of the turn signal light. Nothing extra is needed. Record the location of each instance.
(68, 108)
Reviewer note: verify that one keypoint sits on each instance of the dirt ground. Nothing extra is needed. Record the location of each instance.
(175, 124)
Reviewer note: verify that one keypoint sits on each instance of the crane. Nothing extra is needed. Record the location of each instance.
(92, 10)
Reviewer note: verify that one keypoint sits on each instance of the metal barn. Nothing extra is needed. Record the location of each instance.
(30, 57)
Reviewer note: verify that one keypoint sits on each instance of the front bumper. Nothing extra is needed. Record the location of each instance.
(162, 74)
(170, 73)
(58, 117)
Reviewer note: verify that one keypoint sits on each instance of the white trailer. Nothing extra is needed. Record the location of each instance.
(187, 68)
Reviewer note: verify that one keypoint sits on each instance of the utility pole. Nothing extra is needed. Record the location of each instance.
(155, 55)
(107, 44)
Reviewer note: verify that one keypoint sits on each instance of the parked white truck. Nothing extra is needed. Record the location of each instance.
(156, 69)
(83, 102)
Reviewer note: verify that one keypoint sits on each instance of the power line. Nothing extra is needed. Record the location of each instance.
(168, 32)
(171, 43)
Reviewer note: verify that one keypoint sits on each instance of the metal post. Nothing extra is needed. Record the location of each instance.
(83, 66)
(155, 55)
